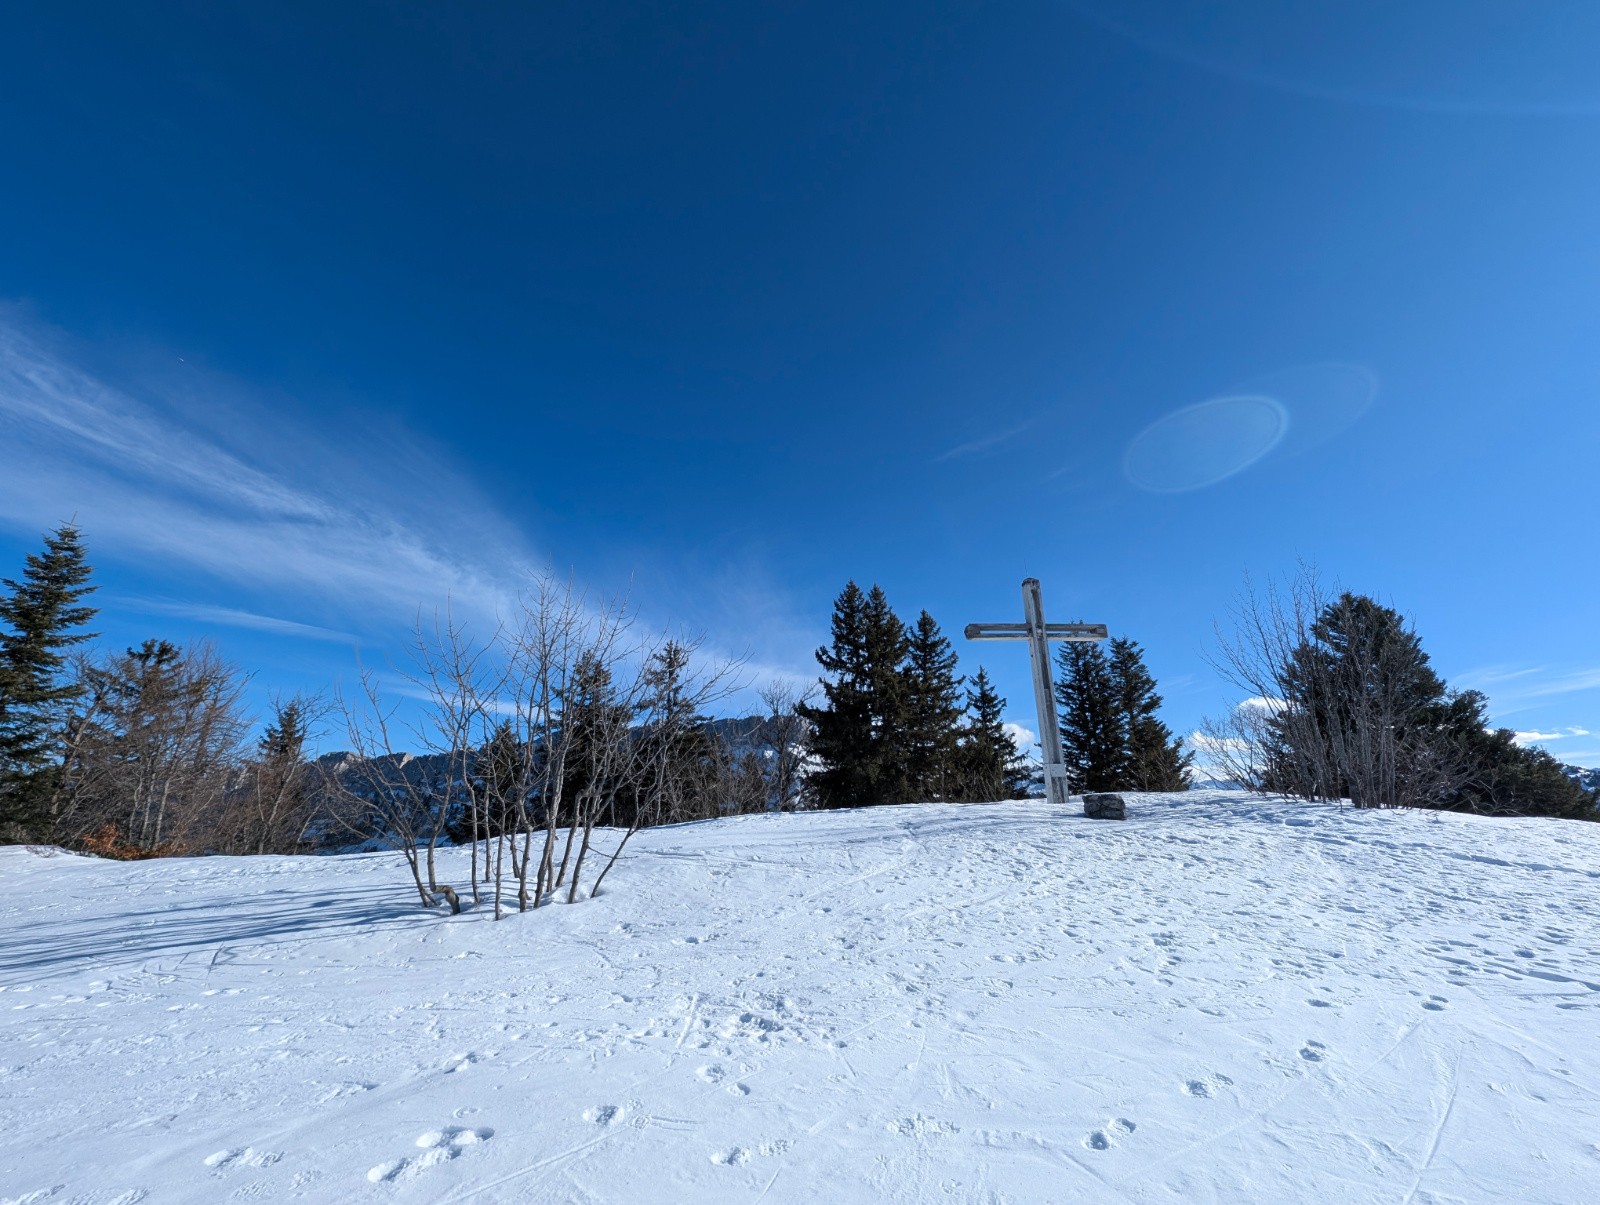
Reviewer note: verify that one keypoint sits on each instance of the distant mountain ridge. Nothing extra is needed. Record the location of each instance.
(1587, 778)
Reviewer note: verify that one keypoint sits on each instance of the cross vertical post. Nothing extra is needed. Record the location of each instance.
(1055, 762)
(1038, 634)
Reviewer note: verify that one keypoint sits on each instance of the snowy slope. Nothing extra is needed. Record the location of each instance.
(1221, 999)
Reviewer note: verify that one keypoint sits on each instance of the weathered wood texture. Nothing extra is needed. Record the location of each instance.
(1038, 634)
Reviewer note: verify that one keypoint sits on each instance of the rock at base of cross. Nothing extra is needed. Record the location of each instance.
(1105, 807)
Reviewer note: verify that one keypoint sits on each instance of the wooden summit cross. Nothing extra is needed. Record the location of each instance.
(1038, 634)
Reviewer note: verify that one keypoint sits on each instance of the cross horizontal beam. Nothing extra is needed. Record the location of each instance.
(1021, 631)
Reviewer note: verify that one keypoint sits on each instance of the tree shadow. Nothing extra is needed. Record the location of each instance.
(216, 925)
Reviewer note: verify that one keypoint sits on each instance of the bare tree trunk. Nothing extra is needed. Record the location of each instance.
(566, 853)
(612, 861)
(499, 863)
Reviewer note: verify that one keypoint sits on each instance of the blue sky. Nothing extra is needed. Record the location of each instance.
(313, 314)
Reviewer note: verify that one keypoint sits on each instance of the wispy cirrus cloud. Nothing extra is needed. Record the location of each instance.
(1513, 688)
(985, 443)
(368, 526)
(233, 618)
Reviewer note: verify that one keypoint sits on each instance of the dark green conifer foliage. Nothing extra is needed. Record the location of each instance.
(677, 743)
(1153, 759)
(989, 764)
(841, 737)
(1508, 778)
(1367, 718)
(933, 712)
(591, 715)
(888, 647)
(283, 742)
(1094, 735)
(501, 767)
(38, 616)
(858, 735)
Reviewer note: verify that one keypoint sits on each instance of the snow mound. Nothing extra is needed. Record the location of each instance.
(1220, 998)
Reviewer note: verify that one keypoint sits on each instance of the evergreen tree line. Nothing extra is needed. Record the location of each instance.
(1112, 738)
(141, 752)
(894, 725)
(149, 751)
(1344, 704)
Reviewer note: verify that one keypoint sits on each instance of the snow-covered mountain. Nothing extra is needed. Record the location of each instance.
(1588, 779)
(439, 776)
(1219, 999)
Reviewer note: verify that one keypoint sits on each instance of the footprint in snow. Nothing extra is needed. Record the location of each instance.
(921, 1127)
(1313, 1052)
(1204, 1088)
(1104, 1140)
(439, 1146)
(738, 1155)
(603, 1115)
(242, 1157)
(1435, 1004)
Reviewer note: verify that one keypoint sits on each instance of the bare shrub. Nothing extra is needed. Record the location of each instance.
(1341, 702)
(151, 750)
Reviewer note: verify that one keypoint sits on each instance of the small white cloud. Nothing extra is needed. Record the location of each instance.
(1561, 734)
(1261, 703)
(1025, 738)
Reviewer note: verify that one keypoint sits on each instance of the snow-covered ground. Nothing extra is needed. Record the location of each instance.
(1220, 999)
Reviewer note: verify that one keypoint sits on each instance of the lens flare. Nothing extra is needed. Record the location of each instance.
(1203, 444)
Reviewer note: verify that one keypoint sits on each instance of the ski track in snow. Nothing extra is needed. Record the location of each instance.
(1220, 999)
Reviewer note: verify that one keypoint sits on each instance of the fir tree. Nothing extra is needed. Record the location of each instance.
(1506, 778)
(1363, 712)
(677, 743)
(841, 737)
(1153, 759)
(283, 741)
(888, 648)
(858, 734)
(37, 618)
(989, 765)
(1094, 736)
(281, 786)
(1366, 717)
(933, 712)
(591, 715)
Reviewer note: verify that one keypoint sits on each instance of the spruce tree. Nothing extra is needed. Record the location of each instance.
(1363, 712)
(888, 648)
(933, 712)
(1153, 759)
(281, 787)
(1094, 736)
(38, 616)
(989, 765)
(841, 736)
(858, 736)
(677, 743)
(1366, 717)
(1506, 778)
